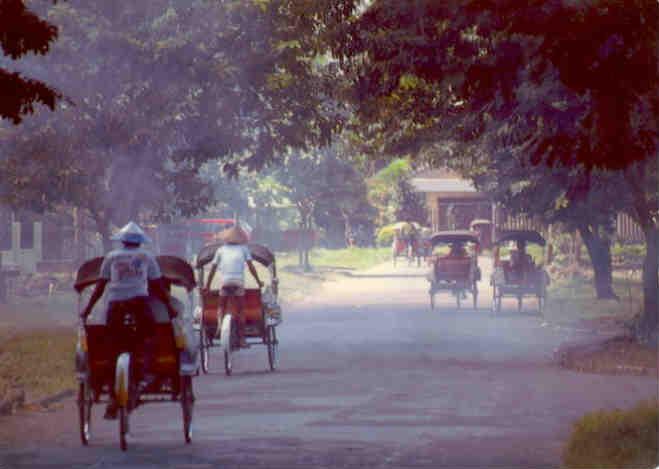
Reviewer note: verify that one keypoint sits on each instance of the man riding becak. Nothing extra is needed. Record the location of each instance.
(231, 258)
(129, 274)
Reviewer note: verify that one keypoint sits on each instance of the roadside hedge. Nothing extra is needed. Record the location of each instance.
(615, 439)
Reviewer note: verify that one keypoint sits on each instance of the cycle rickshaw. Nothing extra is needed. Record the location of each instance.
(175, 353)
(519, 276)
(456, 272)
(262, 313)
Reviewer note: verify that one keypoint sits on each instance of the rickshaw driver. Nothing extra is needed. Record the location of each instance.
(128, 272)
(231, 258)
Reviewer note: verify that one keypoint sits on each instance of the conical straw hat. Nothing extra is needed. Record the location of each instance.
(234, 235)
(131, 233)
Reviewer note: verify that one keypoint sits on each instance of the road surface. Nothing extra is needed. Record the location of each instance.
(369, 377)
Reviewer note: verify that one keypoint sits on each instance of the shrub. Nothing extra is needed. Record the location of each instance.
(385, 235)
(615, 439)
(633, 253)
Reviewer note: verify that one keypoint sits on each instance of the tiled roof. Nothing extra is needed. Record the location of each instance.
(444, 184)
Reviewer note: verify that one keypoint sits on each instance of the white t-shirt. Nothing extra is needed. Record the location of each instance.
(231, 259)
(128, 271)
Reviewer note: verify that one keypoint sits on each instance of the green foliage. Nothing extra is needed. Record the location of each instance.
(350, 258)
(629, 253)
(385, 235)
(390, 192)
(615, 439)
(410, 205)
(23, 32)
(246, 89)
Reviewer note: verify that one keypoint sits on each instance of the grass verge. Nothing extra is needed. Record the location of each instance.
(295, 284)
(573, 300)
(615, 439)
(39, 362)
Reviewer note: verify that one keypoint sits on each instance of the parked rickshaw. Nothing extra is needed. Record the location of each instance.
(425, 244)
(518, 275)
(457, 271)
(406, 242)
(175, 350)
(262, 313)
(399, 248)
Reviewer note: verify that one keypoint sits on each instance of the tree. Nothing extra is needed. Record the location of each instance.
(160, 89)
(410, 205)
(577, 79)
(572, 197)
(321, 184)
(392, 194)
(22, 32)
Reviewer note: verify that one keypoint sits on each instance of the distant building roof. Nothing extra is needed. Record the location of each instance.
(442, 184)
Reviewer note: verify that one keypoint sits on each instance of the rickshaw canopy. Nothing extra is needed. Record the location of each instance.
(529, 236)
(479, 222)
(173, 269)
(259, 253)
(454, 236)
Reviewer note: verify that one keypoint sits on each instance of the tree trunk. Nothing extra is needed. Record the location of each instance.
(649, 323)
(347, 229)
(599, 250)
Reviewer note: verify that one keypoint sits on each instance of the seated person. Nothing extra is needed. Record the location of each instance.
(520, 261)
(457, 251)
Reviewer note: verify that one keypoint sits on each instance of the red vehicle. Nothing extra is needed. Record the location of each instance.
(186, 238)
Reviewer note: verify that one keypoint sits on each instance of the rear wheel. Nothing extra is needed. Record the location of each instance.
(187, 403)
(519, 304)
(123, 427)
(474, 294)
(496, 301)
(204, 345)
(458, 297)
(541, 305)
(273, 347)
(85, 411)
(432, 301)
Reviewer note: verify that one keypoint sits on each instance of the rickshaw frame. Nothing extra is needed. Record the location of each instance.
(457, 276)
(261, 319)
(96, 348)
(529, 282)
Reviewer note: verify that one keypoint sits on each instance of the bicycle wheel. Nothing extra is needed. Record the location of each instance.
(273, 348)
(204, 350)
(85, 411)
(187, 403)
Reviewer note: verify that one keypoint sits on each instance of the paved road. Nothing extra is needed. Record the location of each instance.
(370, 377)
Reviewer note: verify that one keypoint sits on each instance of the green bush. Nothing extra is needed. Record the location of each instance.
(615, 439)
(385, 235)
(628, 252)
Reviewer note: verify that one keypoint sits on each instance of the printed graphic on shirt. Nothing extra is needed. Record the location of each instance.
(129, 268)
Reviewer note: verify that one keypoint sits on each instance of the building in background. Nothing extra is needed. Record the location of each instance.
(454, 203)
